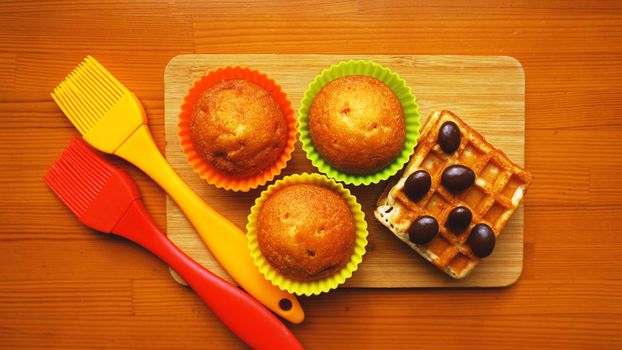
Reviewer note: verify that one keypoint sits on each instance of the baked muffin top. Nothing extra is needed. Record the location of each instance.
(357, 124)
(306, 231)
(238, 128)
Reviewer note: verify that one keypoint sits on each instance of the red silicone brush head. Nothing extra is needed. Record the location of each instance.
(97, 192)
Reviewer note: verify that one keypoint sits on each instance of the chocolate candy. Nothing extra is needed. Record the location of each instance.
(449, 137)
(417, 184)
(457, 178)
(459, 219)
(423, 230)
(481, 240)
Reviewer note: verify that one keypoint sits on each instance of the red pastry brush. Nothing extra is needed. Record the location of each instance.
(104, 198)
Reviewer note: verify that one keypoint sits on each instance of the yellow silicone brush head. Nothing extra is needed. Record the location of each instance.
(104, 111)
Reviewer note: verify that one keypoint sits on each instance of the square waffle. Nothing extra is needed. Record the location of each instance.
(495, 194)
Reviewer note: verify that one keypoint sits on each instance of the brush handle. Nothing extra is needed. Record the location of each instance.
(226, 242)
(244, 316)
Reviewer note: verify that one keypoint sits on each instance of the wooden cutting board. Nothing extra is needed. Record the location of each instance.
(486, 91)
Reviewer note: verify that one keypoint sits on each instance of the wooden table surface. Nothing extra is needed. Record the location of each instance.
(63, 286)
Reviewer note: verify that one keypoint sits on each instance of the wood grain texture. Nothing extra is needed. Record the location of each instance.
(63, 286)
(487, 92)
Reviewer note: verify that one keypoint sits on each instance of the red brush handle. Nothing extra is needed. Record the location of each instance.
(244, 316)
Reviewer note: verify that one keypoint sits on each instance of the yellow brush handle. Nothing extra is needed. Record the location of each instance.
(226, 242)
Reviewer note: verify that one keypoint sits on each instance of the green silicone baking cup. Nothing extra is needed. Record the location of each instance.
(396, 84)
(311, 287)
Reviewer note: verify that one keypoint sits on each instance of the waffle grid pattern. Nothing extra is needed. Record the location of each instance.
(493, 198)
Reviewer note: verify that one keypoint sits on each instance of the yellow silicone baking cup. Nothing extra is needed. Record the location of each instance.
(322, 285)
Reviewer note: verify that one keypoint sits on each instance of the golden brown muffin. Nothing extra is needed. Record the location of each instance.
(357, 124)
(238, 128)
(306, 232)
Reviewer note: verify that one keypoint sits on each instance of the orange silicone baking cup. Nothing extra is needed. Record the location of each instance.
(204, 169)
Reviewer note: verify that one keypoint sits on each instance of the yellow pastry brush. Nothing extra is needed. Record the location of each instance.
(111, 119)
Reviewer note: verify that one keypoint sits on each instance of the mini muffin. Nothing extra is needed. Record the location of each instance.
(238, 128)
(306, 232)
(357, 124)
